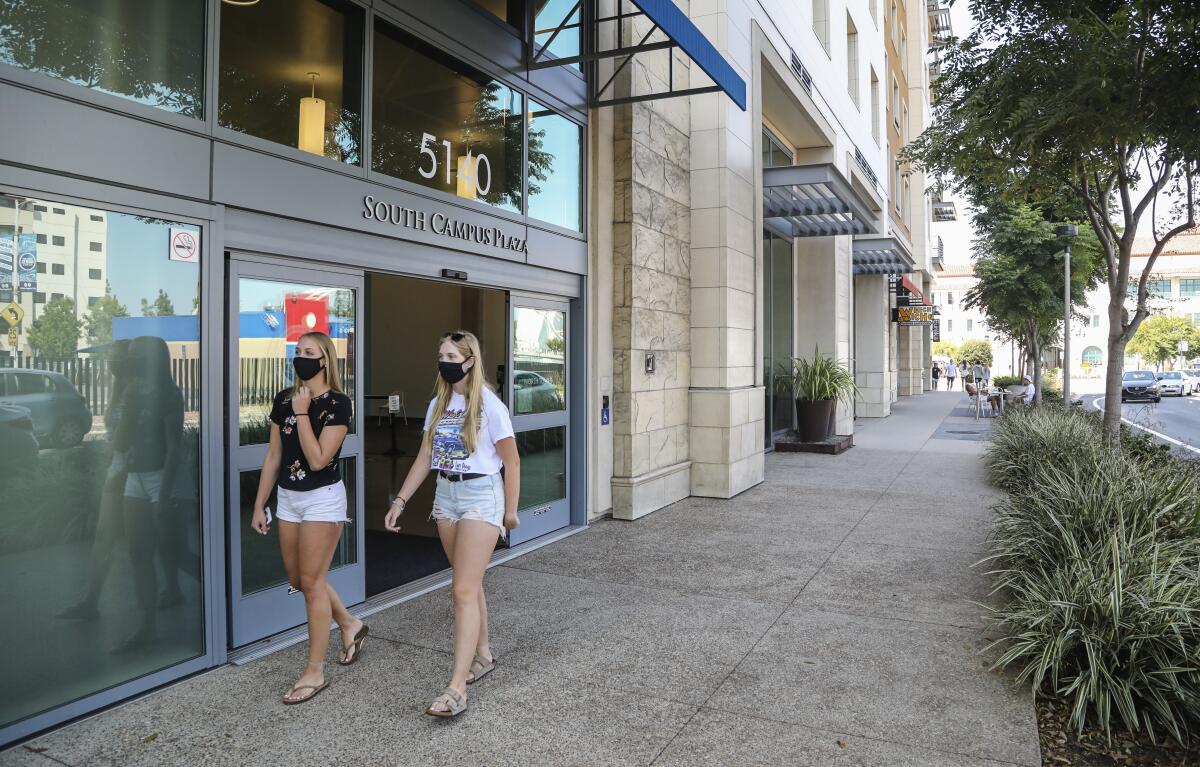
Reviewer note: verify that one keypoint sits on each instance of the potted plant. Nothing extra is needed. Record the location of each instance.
(818, 383)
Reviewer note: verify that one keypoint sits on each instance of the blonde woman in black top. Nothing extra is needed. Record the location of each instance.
(309, 422)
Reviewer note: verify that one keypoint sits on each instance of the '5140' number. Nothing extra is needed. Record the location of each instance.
(470, 169)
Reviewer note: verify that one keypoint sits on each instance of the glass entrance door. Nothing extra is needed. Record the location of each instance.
(778, 298)
(270, 306)
(538, 395)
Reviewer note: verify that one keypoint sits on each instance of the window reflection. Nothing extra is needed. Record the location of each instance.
(548, 15)
(292, 73)
(145, 50)
(441, 124)
(100, 540)
(539, 374)
(543, 466)
(271, 318)
(555, 181)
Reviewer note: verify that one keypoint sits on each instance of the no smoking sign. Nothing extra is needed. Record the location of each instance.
(185, 245)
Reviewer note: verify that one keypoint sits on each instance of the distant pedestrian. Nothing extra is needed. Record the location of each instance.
(977, 373)
(951, 374)
(936, 372)
(987, 375)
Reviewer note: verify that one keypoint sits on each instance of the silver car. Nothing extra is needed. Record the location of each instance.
(1193, 376)
(1173, 382)
(61, 416)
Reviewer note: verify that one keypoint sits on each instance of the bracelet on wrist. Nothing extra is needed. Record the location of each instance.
(401, 501)
(304, 413)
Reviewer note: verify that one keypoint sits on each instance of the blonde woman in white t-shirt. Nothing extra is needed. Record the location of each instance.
(468, 439)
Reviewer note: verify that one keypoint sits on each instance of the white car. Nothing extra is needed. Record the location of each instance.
(1173, 382)
(1193, 376)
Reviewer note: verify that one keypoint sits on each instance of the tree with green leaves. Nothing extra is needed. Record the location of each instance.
(974, 352)
(98, 321)
(1019, 268)
(1090, 107)
(55, 332)
(162, 306)
(945, 349)
(1159, 338)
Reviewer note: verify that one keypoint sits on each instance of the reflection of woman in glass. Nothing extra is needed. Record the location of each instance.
(110, 525)
(309, 422)
(149, 432)
(468, 440)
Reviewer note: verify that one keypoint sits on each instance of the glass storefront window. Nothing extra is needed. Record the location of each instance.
(292, 73)
(441, 124)
(543, 466)
(539, 376)
(100, 539)
(547, 16)
(146, 50)
(555, 177)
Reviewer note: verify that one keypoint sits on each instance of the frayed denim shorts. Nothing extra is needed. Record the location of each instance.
(481, 499)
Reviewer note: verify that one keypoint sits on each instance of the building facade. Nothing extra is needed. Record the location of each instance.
(641, 245)
(1174, 290)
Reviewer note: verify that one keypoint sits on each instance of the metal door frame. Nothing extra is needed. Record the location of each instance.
(555, 515)
(264, 613)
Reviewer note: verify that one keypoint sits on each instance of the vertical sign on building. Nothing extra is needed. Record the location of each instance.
(6, 263)
(935, 331)
(27, 261)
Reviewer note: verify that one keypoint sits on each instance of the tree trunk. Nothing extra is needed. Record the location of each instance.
(1112, 386)
(1036, 358)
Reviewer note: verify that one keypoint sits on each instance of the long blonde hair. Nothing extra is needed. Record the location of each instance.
(329, 352)
(468, 347)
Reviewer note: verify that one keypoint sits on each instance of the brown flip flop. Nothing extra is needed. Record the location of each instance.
(347, 657)
(316, 688)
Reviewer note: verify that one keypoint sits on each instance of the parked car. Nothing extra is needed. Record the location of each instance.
(534, 393)
(1139, 384)
(16, 434)
(1173, 382)
(1193, 376)
(61, 416)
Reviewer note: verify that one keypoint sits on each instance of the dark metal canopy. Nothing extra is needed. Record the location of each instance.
(814, 201)
(881, 255)
(669, 29)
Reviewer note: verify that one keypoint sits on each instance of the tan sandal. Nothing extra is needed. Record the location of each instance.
(350, 654)
(481, 667)
(453, 700)
(316, 688)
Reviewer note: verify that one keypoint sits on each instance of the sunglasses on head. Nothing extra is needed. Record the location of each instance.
(456, 337)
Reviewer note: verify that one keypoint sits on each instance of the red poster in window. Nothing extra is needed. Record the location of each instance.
(305, 314)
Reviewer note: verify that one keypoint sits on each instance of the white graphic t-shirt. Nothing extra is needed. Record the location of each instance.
(448, 452)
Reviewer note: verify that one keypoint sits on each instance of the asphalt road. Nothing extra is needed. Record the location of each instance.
(1175, 420)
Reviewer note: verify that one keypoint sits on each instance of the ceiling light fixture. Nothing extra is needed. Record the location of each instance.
(241, 3)
(312, 121)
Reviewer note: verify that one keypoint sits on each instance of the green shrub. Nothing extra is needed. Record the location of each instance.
(1028, 437)
(1003, 381)
(1101, 567)
(1098, 553)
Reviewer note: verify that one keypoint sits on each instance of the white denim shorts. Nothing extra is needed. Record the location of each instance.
(144, 485)
(480, 499)
(324, 504)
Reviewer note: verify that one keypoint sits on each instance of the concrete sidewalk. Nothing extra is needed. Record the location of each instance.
(827, 616)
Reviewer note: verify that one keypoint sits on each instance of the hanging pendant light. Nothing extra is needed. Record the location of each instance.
(312, 121)
(466, 176)
(241, 3)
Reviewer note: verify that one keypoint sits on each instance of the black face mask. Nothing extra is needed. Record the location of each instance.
(306, 367)
(452, 372)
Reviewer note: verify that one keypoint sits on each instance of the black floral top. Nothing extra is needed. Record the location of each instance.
(329, 409)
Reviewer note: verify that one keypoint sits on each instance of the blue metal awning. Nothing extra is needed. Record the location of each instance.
(669, 29)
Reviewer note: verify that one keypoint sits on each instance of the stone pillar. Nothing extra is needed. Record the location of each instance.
(872, 345)
(726, 396)
(651, 298)
(823, 283)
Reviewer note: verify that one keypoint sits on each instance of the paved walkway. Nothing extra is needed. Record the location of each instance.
(827, 616)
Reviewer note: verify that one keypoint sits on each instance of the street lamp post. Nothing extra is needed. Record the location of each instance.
(1068, 231)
